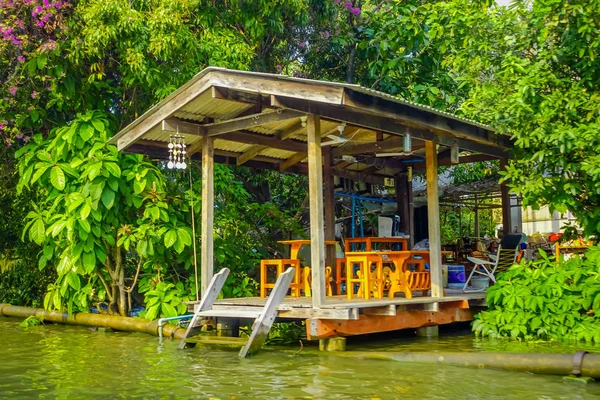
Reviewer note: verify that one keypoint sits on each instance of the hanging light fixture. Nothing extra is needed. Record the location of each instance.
(407, 148)
(177, 152)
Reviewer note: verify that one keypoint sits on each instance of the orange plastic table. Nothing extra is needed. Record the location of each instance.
(297, 244)
(399, 278)
(368, 241)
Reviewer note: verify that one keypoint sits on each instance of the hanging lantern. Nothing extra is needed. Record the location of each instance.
(177, 152)
(407, 144)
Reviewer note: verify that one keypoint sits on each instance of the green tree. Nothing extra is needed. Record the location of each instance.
(532, 71)
(94, 207)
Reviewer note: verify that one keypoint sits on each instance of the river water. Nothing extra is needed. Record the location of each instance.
(66, 362)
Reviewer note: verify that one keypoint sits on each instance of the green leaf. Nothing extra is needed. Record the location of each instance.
(184, 236)
(57, 178)
(85, 225)
(113, 169)
(139, 186)
(98, 125)
(168, 310)
(170, 238)
(85, 211)
(73, 280)
(37, 232)
(152, 312)
(108, 198)
(86, 131)
(89, 262)
(39, 172)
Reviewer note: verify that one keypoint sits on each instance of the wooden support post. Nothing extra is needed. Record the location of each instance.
(403, 203)
(411, 210)
(329, 201)
(433, 217)
(315, 186)
(476, 222)
(208, 210)
(506, 220)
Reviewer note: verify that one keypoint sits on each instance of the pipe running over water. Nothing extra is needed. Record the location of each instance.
(581, 363)
(95, 320)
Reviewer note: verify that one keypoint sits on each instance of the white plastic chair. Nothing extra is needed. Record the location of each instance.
(501, 261)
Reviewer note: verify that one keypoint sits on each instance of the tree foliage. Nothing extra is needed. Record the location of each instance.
(545, 299)
(532, 71)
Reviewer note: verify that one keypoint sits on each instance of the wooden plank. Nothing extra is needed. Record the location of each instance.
(222, 93)
(245, 313)
(292, 130)
(161, 111)
(262, 325)
(210, 295)
(317, 233)
(291, 161)
(277, 85)
(366, 324)
(175, 125)
(403, 202)
(249, 121)
(265, 140)
(382, 310)
(208, 205)
(329, 212)
(384, 124)
(386, 146)
(433, 217)
(250, 154)
(414, 116)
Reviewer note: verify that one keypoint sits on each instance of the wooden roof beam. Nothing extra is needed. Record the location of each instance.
(250, 121)
(250, 154)
(220, 128)
(388, 145)
(291, 161)
(382, 123)
(420, 118)
(265, 140)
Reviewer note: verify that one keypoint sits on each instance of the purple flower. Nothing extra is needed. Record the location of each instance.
(1, 126)
(46, 3)
(8, 142)
(348, 4)
(19, 136)
(326, 33)
(355, 11)
(34, 95)
(21, 59)
(20, 23)
(37, 10)
(302, 44)
(337, 1)
(40, 23)
(26, 139)
(12, 90)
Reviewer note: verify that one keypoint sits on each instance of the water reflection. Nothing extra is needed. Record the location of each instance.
(70, 363)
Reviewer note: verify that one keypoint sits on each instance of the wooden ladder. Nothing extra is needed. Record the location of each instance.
(263, 317)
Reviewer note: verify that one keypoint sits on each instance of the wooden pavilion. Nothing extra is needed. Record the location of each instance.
(282, 123)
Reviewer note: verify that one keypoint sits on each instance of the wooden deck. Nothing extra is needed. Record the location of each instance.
(340, 308)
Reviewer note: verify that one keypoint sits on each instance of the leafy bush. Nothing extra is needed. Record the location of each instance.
(24, 284)
(545, 299)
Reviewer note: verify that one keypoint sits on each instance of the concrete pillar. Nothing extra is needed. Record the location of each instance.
(429, 331)
(332, 344)
(229, 327)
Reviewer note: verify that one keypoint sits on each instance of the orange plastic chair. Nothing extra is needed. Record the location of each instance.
(279, 265)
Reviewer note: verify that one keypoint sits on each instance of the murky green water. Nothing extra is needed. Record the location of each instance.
(71, 362)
